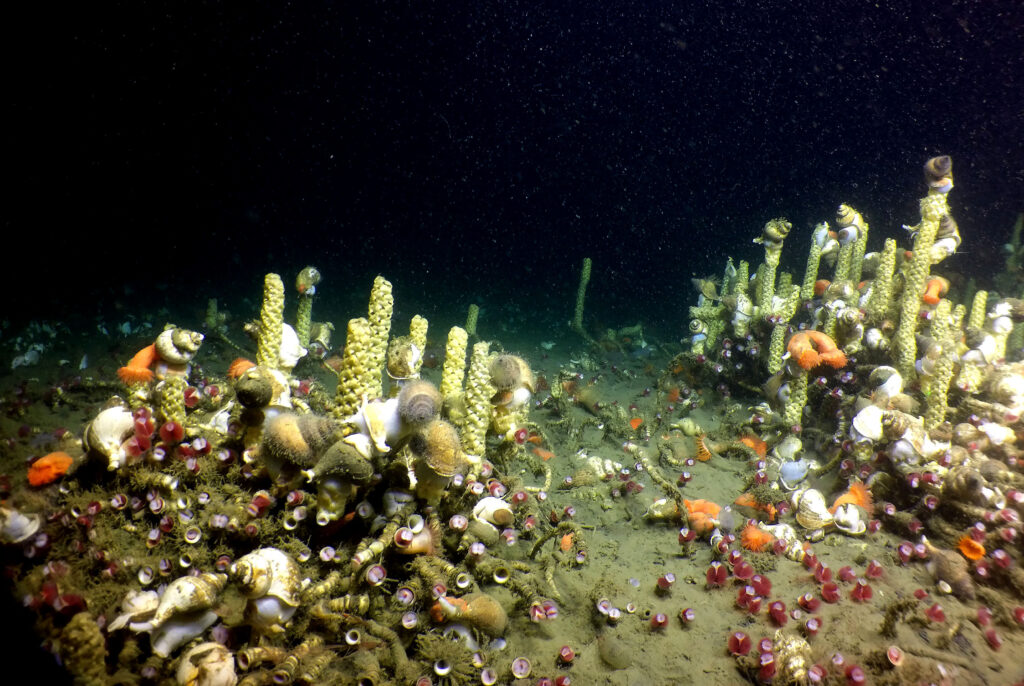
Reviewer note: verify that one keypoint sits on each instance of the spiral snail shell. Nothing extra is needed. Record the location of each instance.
(178, 346)
(186, 595)
(938, 172)
(270, 579)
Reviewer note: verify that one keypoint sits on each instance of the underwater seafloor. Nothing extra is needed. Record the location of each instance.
(643, 511)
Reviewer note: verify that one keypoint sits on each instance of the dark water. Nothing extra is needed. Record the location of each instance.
(475, 152)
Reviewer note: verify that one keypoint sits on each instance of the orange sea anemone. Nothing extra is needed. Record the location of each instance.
(935, 289)
(820, 286)
(970, 548)
(49, 468)
(565, 543)
(857, 493)
(138, 370)
(755, 444)
(702, 506)
(635, 422)
(674, 394)
(239, 366)
(811, 348)
(756, 539)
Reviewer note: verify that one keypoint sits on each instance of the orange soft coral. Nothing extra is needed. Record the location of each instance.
(747, 500)
(49, 468)
(755, 444)
(857, 493)
(239, 366)
(811, 348)
(138, 370)
(756, 539)
(970, 548)
(703, 515)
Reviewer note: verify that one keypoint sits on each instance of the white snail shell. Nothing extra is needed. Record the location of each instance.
(207, 664)
(107, 432)
(16, 527)
(493, 511)
(185, 595)
(849, 519)
(178, 346)
(270, 579)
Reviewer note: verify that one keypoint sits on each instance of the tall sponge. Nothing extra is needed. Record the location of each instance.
(382, 304)
(454, 363)
(478, 403)
(354, 376)
(84, 650)
(268, 340)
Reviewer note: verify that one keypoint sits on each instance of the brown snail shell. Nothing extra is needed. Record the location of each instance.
(937, 170)
(343, 461)
(894, 424)
(951, 568)
(481, 611)
(419, 402)
(437, 446)
(297, 439)
(847, 216)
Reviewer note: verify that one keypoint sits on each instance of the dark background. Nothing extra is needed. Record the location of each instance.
(163, 153)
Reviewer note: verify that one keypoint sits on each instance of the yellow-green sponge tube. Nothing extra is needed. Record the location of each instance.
(978, 305)
(472, 316)
(881, 286)
(170, 399)
(743, 277)
(355, 373)
(418, 334)
(811, 271)
(937, 398)
(268, 339)
(776, 348)
(382, 304)
(454, 363)
(793, 412)
(478, 403)
(581, 294)
(933, 207)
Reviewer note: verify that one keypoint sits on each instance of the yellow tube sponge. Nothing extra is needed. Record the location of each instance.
(478, 403)
(418, 333)
(793, 412)
(976, 320)
(268, 338)
(581, 294)
(170, 399)
(933, 207)
(471, 319)
(776, 348)
(382, 304)
(355, 373)
(84, 651)
(881, 286)
(772, 236)
(743, 277)
(813, 262)
(454, 363)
